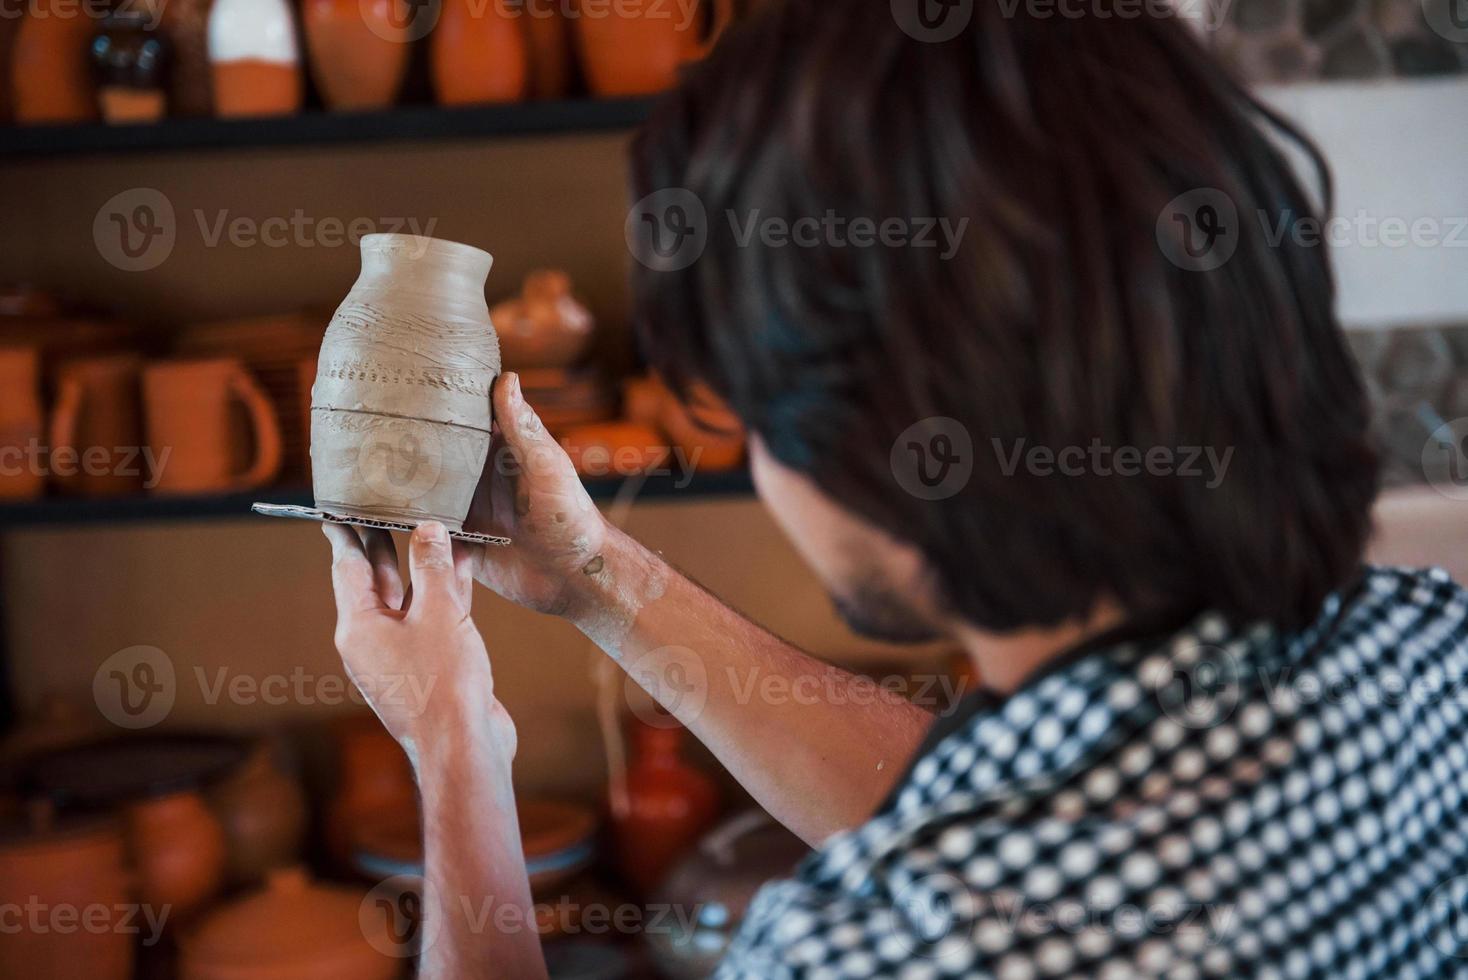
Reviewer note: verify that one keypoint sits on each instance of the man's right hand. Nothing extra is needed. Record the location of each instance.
(531, 494)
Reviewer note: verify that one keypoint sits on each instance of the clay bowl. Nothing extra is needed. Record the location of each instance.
(615, 449)
(292, 930)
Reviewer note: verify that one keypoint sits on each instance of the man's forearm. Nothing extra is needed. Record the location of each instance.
(816, 746)
(479, 889)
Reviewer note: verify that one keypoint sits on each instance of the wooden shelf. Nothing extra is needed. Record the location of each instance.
(321, 128)
(63, 511)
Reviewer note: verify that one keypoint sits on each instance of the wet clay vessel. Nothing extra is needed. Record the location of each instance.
(400, 411)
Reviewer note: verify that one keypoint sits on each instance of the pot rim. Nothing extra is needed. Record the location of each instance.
(422, 245)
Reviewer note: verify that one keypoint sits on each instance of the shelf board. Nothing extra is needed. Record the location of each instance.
(63, 511)
(323, 128)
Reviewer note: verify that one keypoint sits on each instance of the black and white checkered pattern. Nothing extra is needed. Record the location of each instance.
(1231, 803)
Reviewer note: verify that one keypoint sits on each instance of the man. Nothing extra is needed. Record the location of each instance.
(1210, 741)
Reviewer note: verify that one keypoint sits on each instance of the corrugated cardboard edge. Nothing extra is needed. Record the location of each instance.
(312, 514)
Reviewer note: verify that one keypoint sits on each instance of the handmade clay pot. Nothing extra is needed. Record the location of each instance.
(79, 865)
(96, 427)
(479, 54)
(669, 805)
(189, 407)
(543, 327)
(359, 51)
(549, 37)
(374, 778)
(51, 78)
(400, 412)
(614, 449)
(255, 59)
(130, 61)
(707, 435)
(21, 424)
(178, 849)
(263, 813)
(293, 930)
(637, 49)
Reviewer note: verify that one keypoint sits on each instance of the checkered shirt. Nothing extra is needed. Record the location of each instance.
(1222, 803)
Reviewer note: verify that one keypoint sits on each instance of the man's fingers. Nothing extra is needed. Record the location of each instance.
(351, 573)
(435, 574)
(383, 555)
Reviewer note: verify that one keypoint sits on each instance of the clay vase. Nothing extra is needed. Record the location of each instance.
(80, 865)
(549, 37)
(359, 51)
(50, 73)
(293, 930)
(255, 59)
(479, 54)
(669, 805)
(190, 416)
(708, 436)
(178, 849)
(637, 49)
(97, 428)
(21, 423)
(400, 412)
(263, 813)
(375, 781)
(130, 61)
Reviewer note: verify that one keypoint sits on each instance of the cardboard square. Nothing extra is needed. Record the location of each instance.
(313, 514)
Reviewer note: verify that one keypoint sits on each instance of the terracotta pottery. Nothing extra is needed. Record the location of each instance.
(191, 82)
(189, 407)
(359, 51)
(479, 54)
(549, 37)
(642, 399)
(96, 427)
(293, 930)
(543, 327)
(263, 812)
(50, 74)
(12, 12)
(255, 59)
(669, 805)
(374, 777)
(130, 61)
(615, 449)
(637, 49)
(65, 864)
(178, 849)
(400, 412)
(708, 436)
(22, 475)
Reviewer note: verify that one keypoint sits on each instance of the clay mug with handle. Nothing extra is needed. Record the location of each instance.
(638, 50)
(193, 431)
(96, 430)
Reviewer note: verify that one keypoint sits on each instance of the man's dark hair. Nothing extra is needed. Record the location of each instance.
(1060, 320)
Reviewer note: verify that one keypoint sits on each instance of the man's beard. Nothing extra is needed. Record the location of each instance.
(873, 611)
